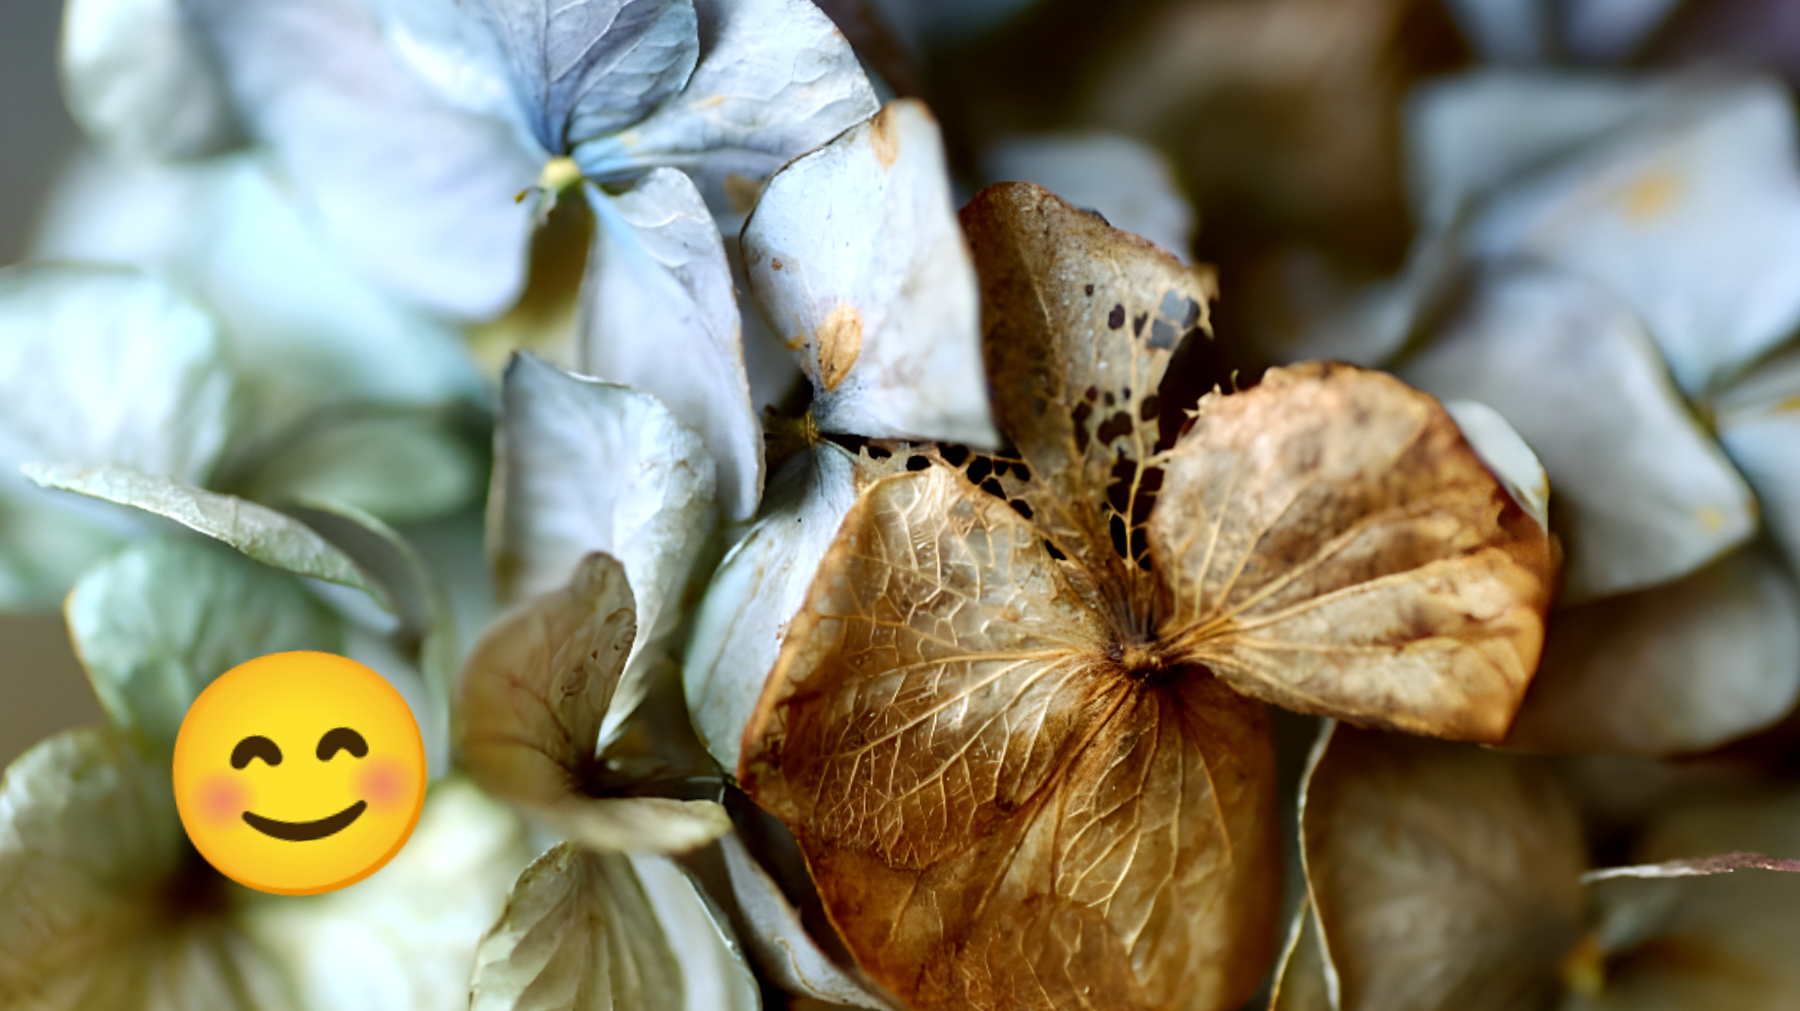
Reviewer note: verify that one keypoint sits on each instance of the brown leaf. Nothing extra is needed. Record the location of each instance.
(536, 691)
(1443, 876)
(996, 809)
(1332, 544)
(1079, 322)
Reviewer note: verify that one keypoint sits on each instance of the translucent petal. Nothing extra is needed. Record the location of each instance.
(993, 807)
(598, 932)
(659, 315)
(857, 260)
(1758, 421)
(757, 590)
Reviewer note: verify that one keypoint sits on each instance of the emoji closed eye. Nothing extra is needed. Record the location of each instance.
(342, 739)
(255, 746)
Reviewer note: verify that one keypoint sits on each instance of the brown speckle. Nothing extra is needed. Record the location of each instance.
(742, 192)
(774, 264)
(884, 137)
(839, 340)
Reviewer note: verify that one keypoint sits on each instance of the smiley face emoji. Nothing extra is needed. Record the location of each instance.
(298, 773)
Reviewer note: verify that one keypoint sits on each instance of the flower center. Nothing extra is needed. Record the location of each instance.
(559, 174)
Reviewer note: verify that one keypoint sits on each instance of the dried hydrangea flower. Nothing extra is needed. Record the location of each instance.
(1014, 728)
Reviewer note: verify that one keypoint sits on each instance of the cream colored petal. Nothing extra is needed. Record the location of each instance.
(1331, 543)
(604, 932)
(1444, 876)
(1682, 667)
(994, 806)
(856, 259)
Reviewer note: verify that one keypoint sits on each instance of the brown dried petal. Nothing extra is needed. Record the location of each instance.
(1301, 980)
(1079, 322)
(1331, 544)
(1444, 876)
(536, 691)
(996, 812)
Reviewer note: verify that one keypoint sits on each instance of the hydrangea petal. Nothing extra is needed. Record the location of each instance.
(857, 259)
(1126, 181)
(585, 466)
(1644, 494)
(1648, 213)
(1681, 667)
(420, 193)
(141, 82)
(659, 314)
(775, 80)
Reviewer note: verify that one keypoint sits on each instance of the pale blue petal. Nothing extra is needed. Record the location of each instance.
(659, 314)
(775, 80)
(142, 82)
(585, 68)
(422, 194)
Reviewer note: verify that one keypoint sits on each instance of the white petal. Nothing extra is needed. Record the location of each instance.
(593, 932)
(1677, 668)
(714, 972)
(775, 80)
(757, 590)
(1646, 494)
(307, 331)
(1505, 453)
(783, 948)
(1470, 133)
(97, 366)
(1610, 29)
(258, 531)
(141, 82)
(157, 622)
(1693, 218)
(1127, 181)
(406, 936)
(585, 466)
(419, 192)
(659, 314)
(857, 259)
(1758, 421)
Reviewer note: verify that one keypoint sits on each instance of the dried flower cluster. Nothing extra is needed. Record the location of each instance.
(819, 586)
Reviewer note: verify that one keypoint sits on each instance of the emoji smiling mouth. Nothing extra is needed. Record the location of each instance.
(306, 831)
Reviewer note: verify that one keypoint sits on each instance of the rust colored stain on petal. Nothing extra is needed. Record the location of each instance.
(839, 340)
(885, 137)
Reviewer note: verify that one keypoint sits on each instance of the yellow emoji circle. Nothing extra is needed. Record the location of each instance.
(298, 773)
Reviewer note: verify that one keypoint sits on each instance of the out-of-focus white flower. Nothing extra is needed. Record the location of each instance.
(1126, 181)
(1610, 265)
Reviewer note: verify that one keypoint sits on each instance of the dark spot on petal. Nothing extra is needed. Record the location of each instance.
(1147, 410)
(1162, 335)
(1082, 413)
(980, 470)
(1192, 316)
(1058, 555)
(1020, 507)
(992, 487)
(1118, 425)
(1116, 318)
(1092, 394)
(1109, 398)
(916, 463)
(954, 454)
(1090, 290)
(1137, 323)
